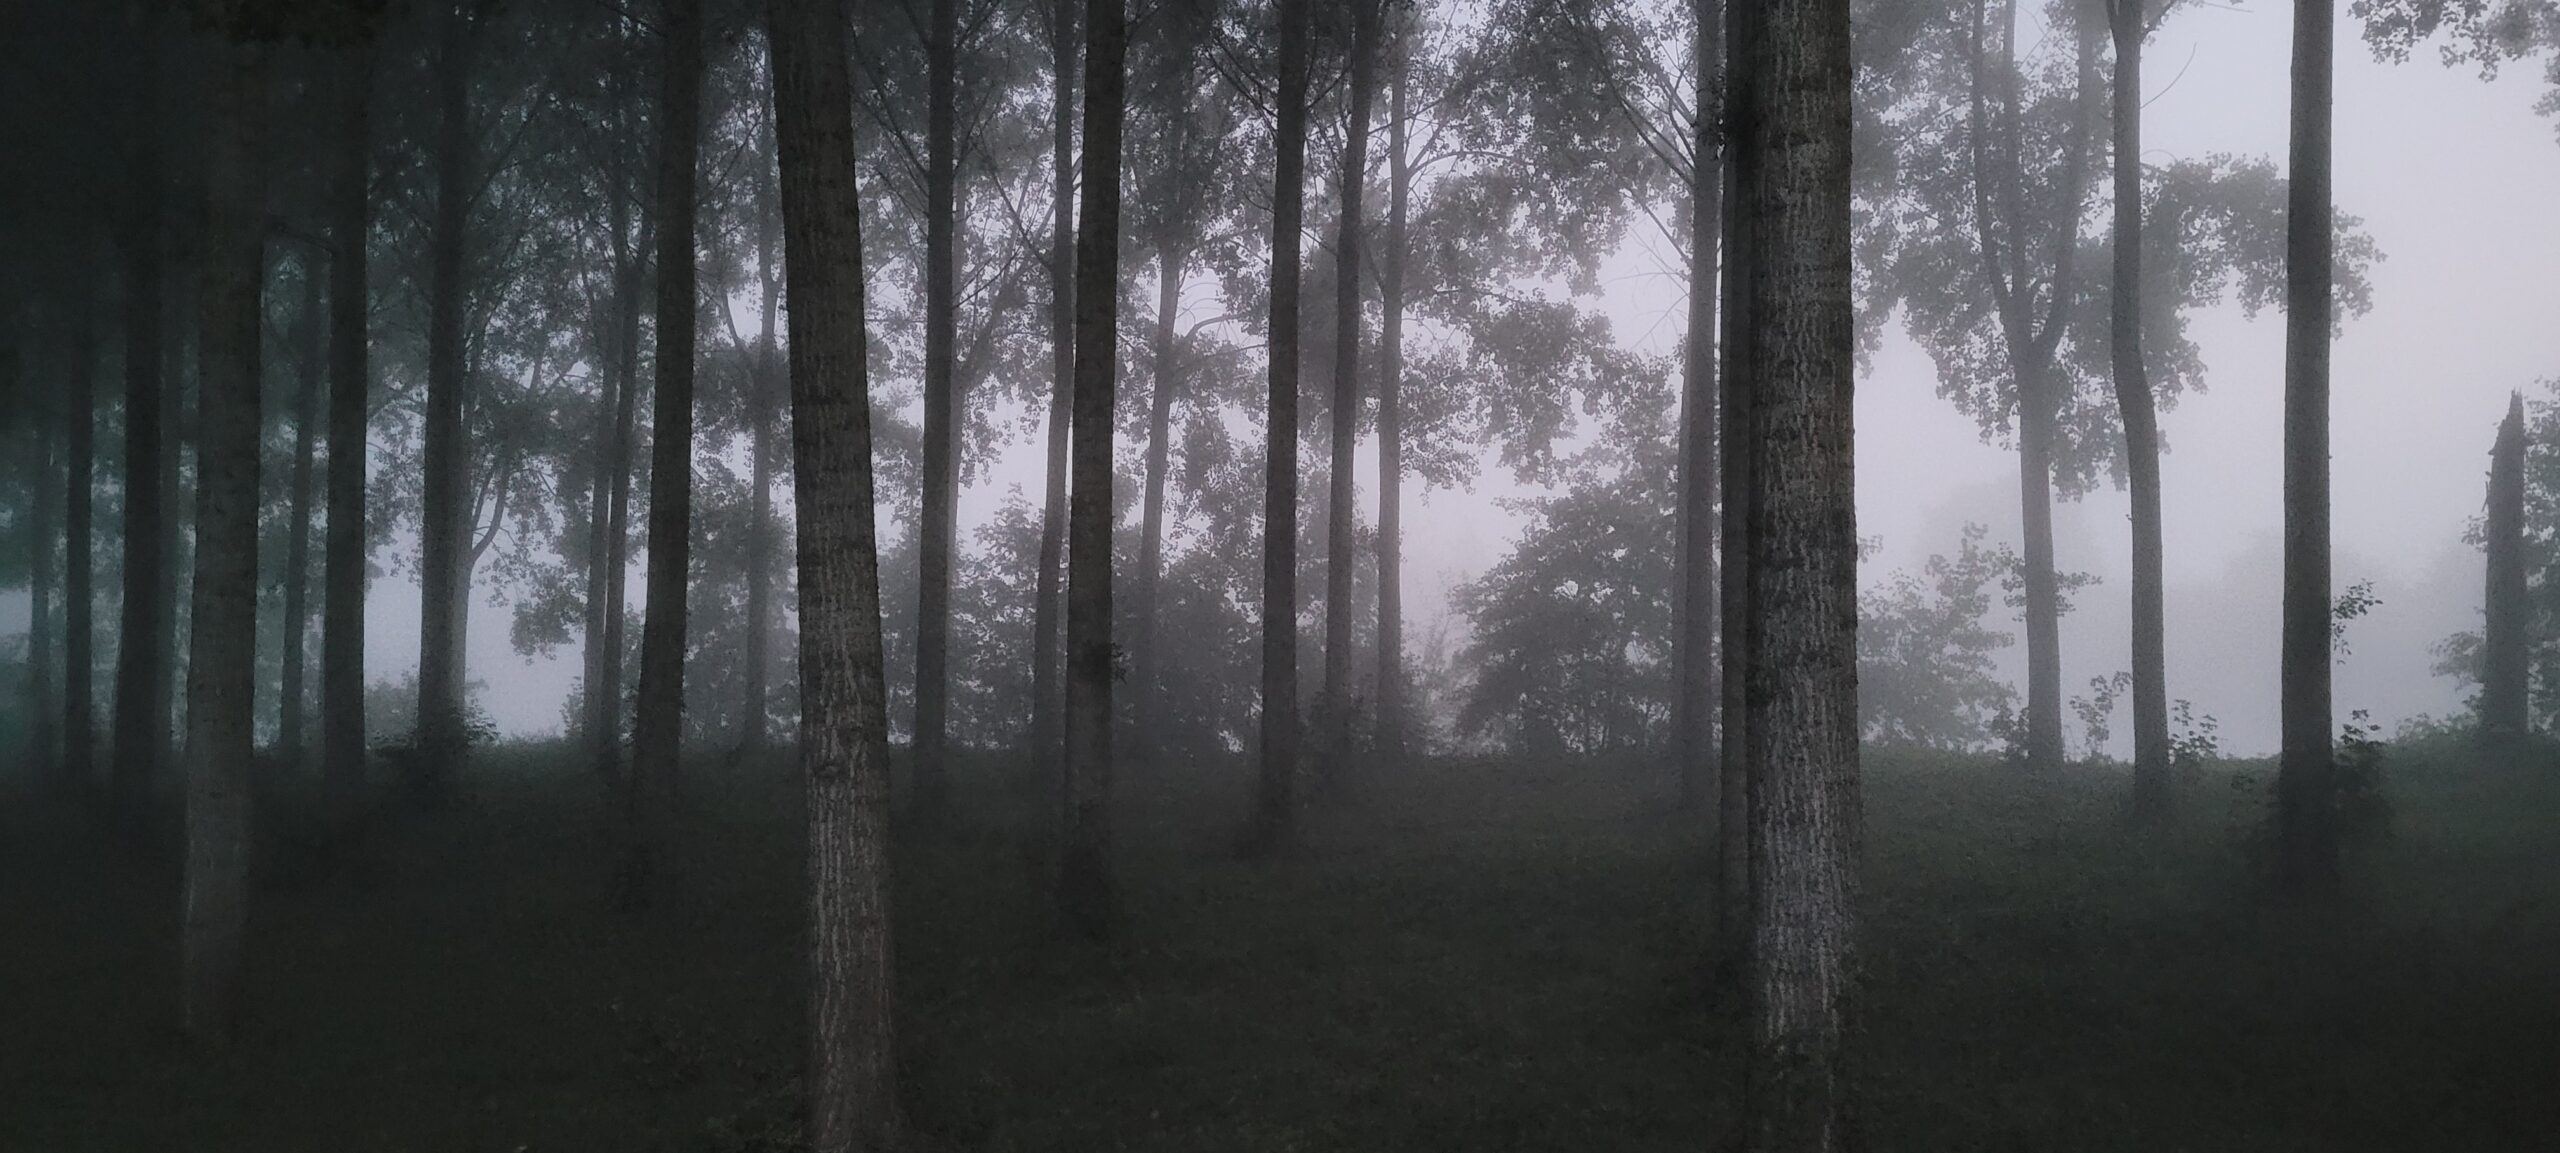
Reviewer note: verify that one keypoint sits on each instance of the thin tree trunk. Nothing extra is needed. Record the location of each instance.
(1085, 886)
(1341, 512)
(1149, 678)
(1698, 461)
(1803, 698)
(613, 538)
(290, 743)
(1047, 711)
(1394, 724)
(2505, 656)
(342, 732)
(851, 1080)
(41, 436)
(79, 594)
(141, 713)
(1736, 770)
(758, 705)
(935, 524)
(442, 571)
(222, 650)
(1275, 809)
(2306, 796)
(178, 354)
(2139, 410)
(2036, 430)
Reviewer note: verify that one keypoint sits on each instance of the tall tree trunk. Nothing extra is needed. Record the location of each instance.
(342, 734)
(79, 593)
(1698, 461)
(1803, 696)
(442, 572)
(2140, 413)
(2037, 422)
(1394, 724)
(222, 647)
(1341, 511)
(141, 711)
(1085, 885)
(38, 526)
(2505, 656)
(313, 366)
(1736, 770)
(1047, 713)
(935, 524)
(758, 706)
(852, 1076)
(1149, 681)
(609, 534)
(1275, 808)
(179, 355)
(2306, 795)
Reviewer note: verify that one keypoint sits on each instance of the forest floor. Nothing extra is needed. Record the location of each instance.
(1468, 955)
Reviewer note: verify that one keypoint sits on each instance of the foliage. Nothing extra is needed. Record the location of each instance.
(1926, 675)
(2482, 33)
(2458, 656)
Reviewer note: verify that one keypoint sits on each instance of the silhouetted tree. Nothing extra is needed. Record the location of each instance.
(2306, 768)
(2505, 662)
(1276, 803)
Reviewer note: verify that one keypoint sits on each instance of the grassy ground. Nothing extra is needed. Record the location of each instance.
(1476, 956)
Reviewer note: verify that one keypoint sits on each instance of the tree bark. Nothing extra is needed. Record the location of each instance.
(1275, 810)
(2505, 655)
(2139, 410)
(1394, 724)
(935, 523)
(851, 1081)
(1143, 659)
(1085, 885)
(443, 574)
(291, 699)
(1698, 461)
(1736, 772)
(342, 733)
(79, 514)
(609, 532)
(42, 714)
(1803, 690)
(141, 712)
(222, 647)
(1047, 713)
(1341, 512)
(758, 704)
(2306, 794)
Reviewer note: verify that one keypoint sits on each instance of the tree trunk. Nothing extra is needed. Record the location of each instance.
(290, 744)
(1341, 511)
(1275, 809)
(1735, 774)
(610, 533)
(2036, 431)
(141, 714)
(934, 525)
(442, 572)
(1803, 695)
(342, 734)
(222, 647)
(1047, 713)
(758, 706)
(178, 354)
(1149, 686)
(1394, 723)
(2505, 660)
(851, 1080)
(38, 526)
(79, 593)
(1085, 884)
(2140, 413)
(2306, 795)
(1698, 462)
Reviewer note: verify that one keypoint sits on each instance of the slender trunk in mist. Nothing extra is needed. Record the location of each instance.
(1340, 511)
(934, 524)
(1143, 658)
(39, 480)
(2140, 412)
(1698, 701)
(2505, 660)
(1394, 731)
(1803, 698)
(141, 714)
(222, 647)
(313, 367)
(757, 708)
(342, 735)
(1735, 771)
(178, 353)
(609, 527)
(1275, 807)
(79, 514)
(2037, 427)
(851, 1079)
(659, 723)
(442, 571)
(1085, 887)
(2306, 795)
(1047, 713)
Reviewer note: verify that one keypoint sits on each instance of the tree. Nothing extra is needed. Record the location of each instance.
(941, 424)
(2482, 33)
(2306, 768)
(79, 598)
(443, 574)
(1926, 673)
(851, 1082)
(342, 731)
(1733, 596)
(1699, 467)
(222, 643)
(39, 464)
(2505, 661)
(660, 728)
(1276, 803)
(141, 717)
(1085, 884)
(310, 368)
(1046, 711)
(1335, 709)
(2139, 411)
(1803, 692)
